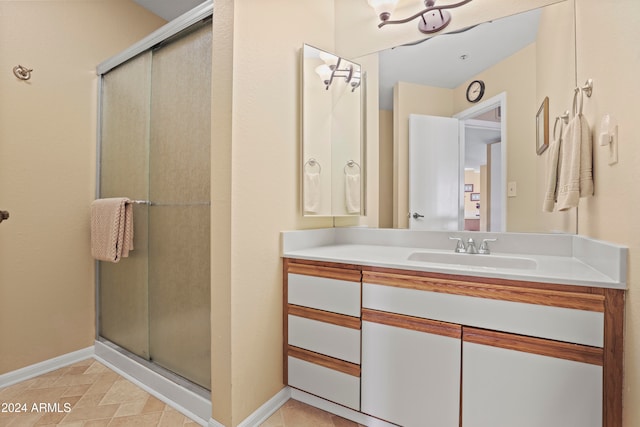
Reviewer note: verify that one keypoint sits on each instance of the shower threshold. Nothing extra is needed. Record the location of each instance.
(186, 397)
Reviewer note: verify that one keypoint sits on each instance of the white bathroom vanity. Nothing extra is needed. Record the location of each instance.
(392, 327)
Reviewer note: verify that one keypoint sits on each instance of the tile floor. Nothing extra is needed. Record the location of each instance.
(89, 394)
(84, 394)
(298, 414)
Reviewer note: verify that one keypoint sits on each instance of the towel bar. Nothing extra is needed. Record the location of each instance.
(150, 203)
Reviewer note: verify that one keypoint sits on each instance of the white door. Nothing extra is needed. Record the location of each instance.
(496, 222)
(434, 173)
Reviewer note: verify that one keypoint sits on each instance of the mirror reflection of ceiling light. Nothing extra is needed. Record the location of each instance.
(383, 8)
(329, 71)
(433, 18)
(324, 71)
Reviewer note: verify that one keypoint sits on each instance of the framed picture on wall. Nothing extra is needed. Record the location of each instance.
(468, 188)
(542, 127)
(475, 197)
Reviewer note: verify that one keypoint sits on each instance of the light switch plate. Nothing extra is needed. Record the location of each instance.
(511, 189)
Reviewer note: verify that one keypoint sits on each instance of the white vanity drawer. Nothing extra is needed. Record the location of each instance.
(336, 341)
(333, 385)
(338, 296)
(537, 320)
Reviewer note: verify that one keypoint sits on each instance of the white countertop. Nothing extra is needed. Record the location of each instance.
(589, 268)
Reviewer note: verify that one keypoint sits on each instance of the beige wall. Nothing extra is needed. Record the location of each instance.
(472, 177)
(516, 76)
(555, 39)
(385, 209)
(612, 59)
(222, 133)
(47, 168)
(264, 177)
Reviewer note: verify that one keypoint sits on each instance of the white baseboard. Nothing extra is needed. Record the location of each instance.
(261, 414)
(34, 370)
(183, 400)
(214, 423)
(342, 411)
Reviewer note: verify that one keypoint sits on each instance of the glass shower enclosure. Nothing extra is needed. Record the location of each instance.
(155, 138)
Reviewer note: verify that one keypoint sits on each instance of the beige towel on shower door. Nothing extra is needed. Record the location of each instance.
(111, 229)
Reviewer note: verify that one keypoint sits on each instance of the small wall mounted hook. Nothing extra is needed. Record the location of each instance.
(21, 72)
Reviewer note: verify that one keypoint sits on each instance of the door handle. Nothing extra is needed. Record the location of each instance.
(416, 215)
(4, 215)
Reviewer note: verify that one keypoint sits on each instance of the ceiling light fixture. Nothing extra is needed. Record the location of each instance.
(434, 18)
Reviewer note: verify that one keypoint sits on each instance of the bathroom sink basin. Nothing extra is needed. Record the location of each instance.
(475, 260)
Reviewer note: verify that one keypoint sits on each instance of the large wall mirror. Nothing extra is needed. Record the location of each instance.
(486, 166)
(332, 168)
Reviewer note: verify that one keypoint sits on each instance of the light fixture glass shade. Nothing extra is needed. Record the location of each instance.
(383, 7)
(328, 58)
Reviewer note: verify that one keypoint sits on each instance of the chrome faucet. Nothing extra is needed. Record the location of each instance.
(484, 246)
(460, 248)
(471, 247)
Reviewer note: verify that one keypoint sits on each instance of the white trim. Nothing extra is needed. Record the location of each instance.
(183, 400)
(214, 423)
(40, 368)
(342, 411)
(261, 414)
(182, 22)
(497, 100)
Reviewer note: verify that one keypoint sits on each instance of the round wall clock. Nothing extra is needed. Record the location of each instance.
(475, 91)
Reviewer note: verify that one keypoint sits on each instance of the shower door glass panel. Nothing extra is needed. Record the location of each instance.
(179, 215)
(124, 171)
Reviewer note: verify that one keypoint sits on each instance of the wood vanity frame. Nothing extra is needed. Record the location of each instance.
(609, 301)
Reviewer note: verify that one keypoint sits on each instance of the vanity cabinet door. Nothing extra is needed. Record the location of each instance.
(410, 370)
(511, 380)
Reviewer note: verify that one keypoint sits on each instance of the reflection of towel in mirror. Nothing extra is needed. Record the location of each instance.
(311, 192)
(352, 193)
(111, 229)
(551, 189)
(575, 175)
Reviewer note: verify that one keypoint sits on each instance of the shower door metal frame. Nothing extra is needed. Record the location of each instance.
(164, 33)
(181, 23)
